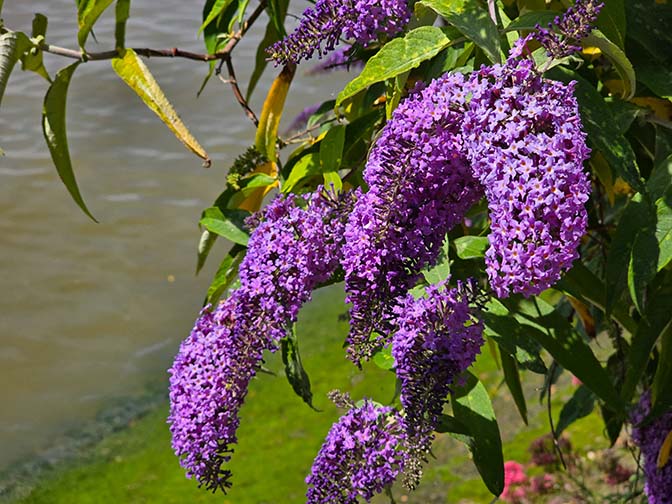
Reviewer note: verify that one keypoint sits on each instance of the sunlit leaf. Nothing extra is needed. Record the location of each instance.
(53, 127)
(218, 7)
(271, 112)
(273, 33)
(617, 57)
(226, 274)
(88, 12)
(130, 68)
(306, 166)
(227, 224)
(294, 370)
(12, 46)
(471, 247)
(122, 13)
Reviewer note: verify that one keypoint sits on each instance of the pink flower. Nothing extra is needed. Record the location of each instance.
(515, 480)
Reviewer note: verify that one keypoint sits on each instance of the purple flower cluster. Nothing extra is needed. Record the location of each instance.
(437, 339)
(322, 26)
(294, 246)
(523, 137)
(363, 454)
(560, 38)
(650, 438)
(208, 385)
(420, 186)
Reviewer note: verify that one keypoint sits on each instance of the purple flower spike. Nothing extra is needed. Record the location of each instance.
(437, 340)
(322, 26)
(420, 186)
(362, 455)
(524, 139)
(650, 438)
(560, 38)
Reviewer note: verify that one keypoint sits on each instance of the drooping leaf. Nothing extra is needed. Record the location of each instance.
(205, 244)
(226, 274)
(296, 374)
(271, 112)
(54, 129)
(472, 408)
(602, 130)
(617, 57)
(566, 345)
(512, 379)
(580, 405)
(396, 57)
(226, 223)
(131, 69)
(122, 13)
(471, 247)
(88, 12)
(12, 46)
(218, 7)
(472, 19)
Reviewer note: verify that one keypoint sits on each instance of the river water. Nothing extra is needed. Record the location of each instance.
(90, 313)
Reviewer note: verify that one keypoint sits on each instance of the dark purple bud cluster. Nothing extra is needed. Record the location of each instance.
(420, 186)
(524, 139)
(438, 338)
(322, 26)
(363, 454)
(650, 438)
(561, 37)
(294, 246)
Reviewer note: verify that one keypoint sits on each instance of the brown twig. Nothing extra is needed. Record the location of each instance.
(223, 55)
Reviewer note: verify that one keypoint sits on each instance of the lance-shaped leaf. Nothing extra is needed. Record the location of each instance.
(472, 19)
(580, 405)
(12, 45)
(53, 127)
(226, 223)
(218, 7)
(512, 379)
(135, 73)
(271, 112)
(226, 274)
(664, 230)
(396, 57)
(306, 166)
(617, 57)
(296, 374)
(473, 409)
(661, 391)
(471, 247)
(122, 13)
(88, 12)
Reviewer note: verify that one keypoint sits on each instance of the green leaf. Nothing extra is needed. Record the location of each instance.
(617, 57)
(227, 224)
(306, 166)
(642, 267)
(566, 346)
(218, 7)
(226, 274)
(649, 24)
(450, 424)
(636, 218)
(88, 12)
(581, 404)
(657, 77)
(215, 36)
(296, 374)
(657, 319)
(130, 68)
(331, 149)
(471, 247)
(661, 390)
(529, 20)
(333, 180)
(440, 271)
(53, 127)
(12, 46)
(472, 19)
(512, 379)
(611, 21)
(383, 358)
(472, 408)
(121, 14)
(602, 129)
(396, 57)
(664, 230)
(31, 59)
(205, 244)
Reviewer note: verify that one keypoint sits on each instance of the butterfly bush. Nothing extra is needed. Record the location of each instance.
(561, 37)
(322, 26)
(524, 139)
(437, 339)
(650, 437)
(293, 247)
(420, 186)
(363, 453)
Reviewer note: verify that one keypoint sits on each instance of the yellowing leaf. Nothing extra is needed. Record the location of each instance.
(135, 73)
(665, 449)
(662, 109)
(252, 202)
(271, 112)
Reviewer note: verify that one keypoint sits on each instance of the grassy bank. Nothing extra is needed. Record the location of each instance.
(279, 436)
